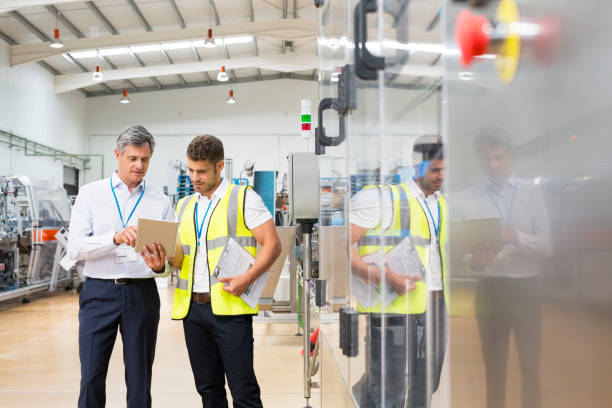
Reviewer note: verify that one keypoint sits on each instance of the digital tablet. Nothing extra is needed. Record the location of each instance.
(162, 232)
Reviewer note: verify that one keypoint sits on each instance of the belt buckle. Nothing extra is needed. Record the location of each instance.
(121, 281)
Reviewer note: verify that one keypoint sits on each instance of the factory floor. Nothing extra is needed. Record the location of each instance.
(39, 363)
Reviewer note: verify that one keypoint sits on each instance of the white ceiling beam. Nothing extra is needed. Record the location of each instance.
(9, 5)
(281, 63)
(288, 29)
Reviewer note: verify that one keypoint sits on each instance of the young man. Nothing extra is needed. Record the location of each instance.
(217, 323)
(412, 311)
(119, 291)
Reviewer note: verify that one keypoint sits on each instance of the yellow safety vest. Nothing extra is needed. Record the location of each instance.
(409, 220)
(227, 220)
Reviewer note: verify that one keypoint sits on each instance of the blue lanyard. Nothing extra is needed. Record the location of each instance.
(436, 227)
(199, 230)
(117, 202)
(499, 210)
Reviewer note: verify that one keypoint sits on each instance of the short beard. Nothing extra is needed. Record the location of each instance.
(428, 186)
(211, 185)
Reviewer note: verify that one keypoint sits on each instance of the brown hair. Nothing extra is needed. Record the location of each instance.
(205, 147)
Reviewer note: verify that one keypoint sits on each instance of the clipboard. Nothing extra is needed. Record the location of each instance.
(234, 261)
(162, 232)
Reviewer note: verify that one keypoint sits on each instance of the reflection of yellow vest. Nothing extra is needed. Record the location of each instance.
(409, 220)
(227, 220)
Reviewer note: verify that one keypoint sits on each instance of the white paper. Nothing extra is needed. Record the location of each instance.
(67, 263)
(402, 260)
(62, 237)
(368, 293)
(234, 261)
(126, 254)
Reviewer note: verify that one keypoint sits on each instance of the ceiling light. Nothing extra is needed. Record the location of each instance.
(97, 76)
(222, 75)
(209, 42)
(230, 99)
(57, 42)
(125, 98)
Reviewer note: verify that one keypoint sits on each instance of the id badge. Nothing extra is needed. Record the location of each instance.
(126, 254)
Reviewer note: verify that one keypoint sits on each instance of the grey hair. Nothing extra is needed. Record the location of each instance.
(134, 135)
(493, 136)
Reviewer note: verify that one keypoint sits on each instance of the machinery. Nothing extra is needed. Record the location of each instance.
(529, 76)
(303, 183)
(31, 214)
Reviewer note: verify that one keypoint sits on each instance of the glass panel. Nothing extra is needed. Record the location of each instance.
(529, 176)
(401, 336)
(332, 234)
(364, 167)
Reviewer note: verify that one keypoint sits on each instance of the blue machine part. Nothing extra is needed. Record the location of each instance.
(264, 185)
(184, 186)
(238, 181)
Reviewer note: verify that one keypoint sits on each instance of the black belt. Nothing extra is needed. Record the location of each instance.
(120, 281)
(201, 298)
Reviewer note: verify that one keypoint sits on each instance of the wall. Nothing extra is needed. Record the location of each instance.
(263, 126)
(29, 108)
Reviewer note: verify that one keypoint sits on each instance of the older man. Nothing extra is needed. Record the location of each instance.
(119, 291)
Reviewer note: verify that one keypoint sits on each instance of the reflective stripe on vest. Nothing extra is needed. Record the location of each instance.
(183, 205)
(221, 241)
(377, 240)
(409, 219)
(182, 284)
(226, 220)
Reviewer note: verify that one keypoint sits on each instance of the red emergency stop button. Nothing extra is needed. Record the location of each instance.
(472, 34)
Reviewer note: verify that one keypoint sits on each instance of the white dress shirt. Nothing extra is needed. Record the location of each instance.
(365, 211)
(95, 220)
(255, 214)
(519, 203)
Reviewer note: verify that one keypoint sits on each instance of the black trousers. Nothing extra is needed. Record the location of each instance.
(221, 346)
(408, 371)
(105, 308)
(505, 306)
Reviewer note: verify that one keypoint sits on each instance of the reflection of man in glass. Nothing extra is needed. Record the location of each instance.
(398, 279)
(507, 296)
(45, 219)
